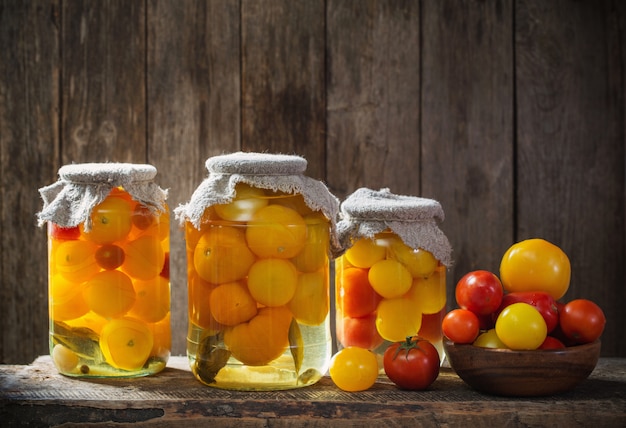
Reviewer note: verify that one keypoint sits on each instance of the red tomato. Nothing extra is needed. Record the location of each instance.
(551, 343)
(67, 233)
(413, 364)
(479, 291)
(356, 295)
(461, 326)
(541, 300)
(582, 321)
(359, 332)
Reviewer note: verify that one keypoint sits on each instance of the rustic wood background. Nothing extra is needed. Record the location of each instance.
(511, 113)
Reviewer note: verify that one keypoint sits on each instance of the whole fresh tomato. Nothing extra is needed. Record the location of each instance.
(479, 291)
(461, 326)
(582, 321)
(521, 327)
(535, 265)
(551, 343)
(541, 300)
(353, 369)
(412, 364)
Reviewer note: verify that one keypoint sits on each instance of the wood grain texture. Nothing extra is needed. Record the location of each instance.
(570, 146)
(29, 144)
(193, 111)
(373, 86)
(282, 79)
(467, 128)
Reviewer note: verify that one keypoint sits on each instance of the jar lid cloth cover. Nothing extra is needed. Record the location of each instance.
(276, 172)
(81, 187)
(367, 212)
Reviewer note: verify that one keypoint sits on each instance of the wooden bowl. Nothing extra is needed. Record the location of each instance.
(522, 373)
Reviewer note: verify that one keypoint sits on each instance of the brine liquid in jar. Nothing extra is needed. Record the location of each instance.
(387, 291)
(109, 291)
(258, 284)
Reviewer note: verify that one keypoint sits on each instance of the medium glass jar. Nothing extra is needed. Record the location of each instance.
(385, 288)
(108, 276)
(258, 290)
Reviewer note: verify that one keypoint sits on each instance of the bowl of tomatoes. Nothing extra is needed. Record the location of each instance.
(522, 373)
(514, 335)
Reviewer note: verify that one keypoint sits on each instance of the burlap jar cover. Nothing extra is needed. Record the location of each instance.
(367, 212)
(70, 201)
(276, 172)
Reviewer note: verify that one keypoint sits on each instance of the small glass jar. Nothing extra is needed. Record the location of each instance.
(258, 284)
(385, 288)
(108, 274)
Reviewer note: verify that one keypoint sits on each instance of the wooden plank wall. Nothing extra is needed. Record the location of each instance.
(511, 113)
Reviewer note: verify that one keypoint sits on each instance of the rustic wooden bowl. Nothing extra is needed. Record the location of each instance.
(522, 373)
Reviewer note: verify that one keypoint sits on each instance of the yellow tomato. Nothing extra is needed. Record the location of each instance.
(314, 255)
(232, 304)
(222, 255)
(75, 260)
(198, 302)
(144, 258)
(419, 262)
(247, 201)
(66, 299)
(276, 231)
(261, 340)
(110, 220)
(520, 326)
(390, 278)
(110, 293)
(272, 282)
(126, 343)
(364, 253)
(429, 293)
(397, 318)
(310, 302)
(152, 302)
(535, 265)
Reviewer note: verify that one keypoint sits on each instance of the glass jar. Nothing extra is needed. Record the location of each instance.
(385, 288)
(258, 287)
(108, 276)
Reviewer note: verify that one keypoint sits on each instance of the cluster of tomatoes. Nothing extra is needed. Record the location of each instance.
(521, 309)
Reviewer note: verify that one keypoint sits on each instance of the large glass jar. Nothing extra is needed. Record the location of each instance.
(108, 276)
(391, 280)
(258, 283)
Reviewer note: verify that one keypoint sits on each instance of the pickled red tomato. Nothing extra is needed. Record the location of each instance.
(247, 201)
(310, 303)
(110, 293)
(110, 256)
(355, 295)
(126, 343)
(276, 231)
(428, 294)
(359, 331)
(152, 301)
(222, 255)
(110, 221)
(420, 263)
(231, 304)
(364, 253)
(272, 282)
(390, 278)
(75, 260)
(66, 299)
(144, 258)
(397, 319)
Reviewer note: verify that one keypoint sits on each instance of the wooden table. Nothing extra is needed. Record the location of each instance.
(35, 395)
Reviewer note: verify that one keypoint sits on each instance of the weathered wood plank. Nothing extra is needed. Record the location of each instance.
(283, 91)
(29, 156)
(570, 175)
(193, 110)
(103, 81)
(467, 128)
(373, 80)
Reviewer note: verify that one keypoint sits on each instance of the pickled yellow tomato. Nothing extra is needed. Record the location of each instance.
(398, 318)
(310, 302)
(110, 220)
(66, 299)
(152, 302)
(126, 343)
(390, 278)
(222, 255)
(420, 263)
(272, 282)
(144, 258)
(428, 294)
(314, 255)
(247, 201)
(276, 231)
(162, 337)
(110, 293)
(364, 253)
(75, 260)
